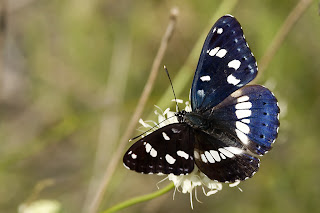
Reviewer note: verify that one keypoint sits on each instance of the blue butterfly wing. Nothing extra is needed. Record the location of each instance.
(251, 114)
(226, 64)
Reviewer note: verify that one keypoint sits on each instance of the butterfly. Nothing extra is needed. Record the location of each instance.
(230, 124)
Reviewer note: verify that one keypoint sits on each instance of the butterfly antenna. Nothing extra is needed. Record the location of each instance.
(175, 98)
(157, 125)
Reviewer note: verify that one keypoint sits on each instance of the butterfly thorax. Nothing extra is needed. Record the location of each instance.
(196, 121)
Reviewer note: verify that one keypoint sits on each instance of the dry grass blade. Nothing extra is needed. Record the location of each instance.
(137, 114)
(3, 23)
(292, 18)
(110, 120)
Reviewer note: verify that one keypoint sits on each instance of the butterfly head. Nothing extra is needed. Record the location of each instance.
(180, 116)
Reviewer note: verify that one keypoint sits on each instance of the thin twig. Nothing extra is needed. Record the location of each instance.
(277, 41)
(139, 199)
(137, 114)
(3, 28)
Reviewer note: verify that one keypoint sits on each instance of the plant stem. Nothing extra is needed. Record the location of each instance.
(282, 33)
(115, 159)
(139, 199)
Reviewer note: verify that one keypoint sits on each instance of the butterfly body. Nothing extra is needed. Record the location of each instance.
(196, 121)
(230, 123)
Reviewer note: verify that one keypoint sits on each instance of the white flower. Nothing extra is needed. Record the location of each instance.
(40, 206)
(196, 178)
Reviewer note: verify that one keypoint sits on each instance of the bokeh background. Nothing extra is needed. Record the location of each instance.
(71, 76)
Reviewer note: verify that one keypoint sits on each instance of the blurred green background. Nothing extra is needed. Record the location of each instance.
(73, 71)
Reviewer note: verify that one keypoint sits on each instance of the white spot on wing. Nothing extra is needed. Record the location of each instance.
(215, 155)
(153, 152)
(235, 64)
(134, 156)
(222, 156)
(214, 29)
(129, 153)
(175, 130)
(205, 78)
(226, 152)
(183, 154)
(214, 51)
(243, 105)
(242, 127)
(220, 30)
(244, 139)
(221, 53)
(232, 80)
(247, 121)
(243, 113)
(200, 93)
(148, 147)
(203, 158)
(165, 136)
(209, 157)
(243, 99)
(170, 159)
(196, 154)
(234, 150)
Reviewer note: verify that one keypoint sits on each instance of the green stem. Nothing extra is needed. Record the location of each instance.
(139, 199)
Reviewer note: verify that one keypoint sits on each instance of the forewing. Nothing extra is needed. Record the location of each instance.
(226, 64)
(252, 115)
(168, 150)
(223, 159)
